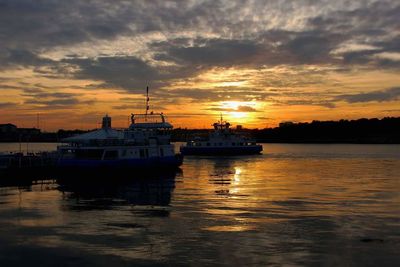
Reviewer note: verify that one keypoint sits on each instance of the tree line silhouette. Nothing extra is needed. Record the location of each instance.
(386, 130)
(379, 131)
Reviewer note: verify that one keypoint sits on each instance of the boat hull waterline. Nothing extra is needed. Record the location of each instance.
(245, 150)
(148, 163)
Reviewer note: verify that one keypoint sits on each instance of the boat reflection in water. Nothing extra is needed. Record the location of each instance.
(297, 205)
(105, 190)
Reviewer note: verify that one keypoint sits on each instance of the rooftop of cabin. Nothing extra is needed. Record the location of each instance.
(149, 121)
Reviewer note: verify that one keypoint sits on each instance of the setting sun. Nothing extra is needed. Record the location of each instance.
(239, 111)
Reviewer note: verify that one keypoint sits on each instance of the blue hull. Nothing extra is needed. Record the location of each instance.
(244, 150)
(148, 163)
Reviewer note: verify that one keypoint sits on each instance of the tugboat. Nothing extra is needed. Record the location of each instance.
(144, 145)
(222, 141)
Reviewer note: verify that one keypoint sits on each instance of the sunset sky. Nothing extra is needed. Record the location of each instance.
(256, 62)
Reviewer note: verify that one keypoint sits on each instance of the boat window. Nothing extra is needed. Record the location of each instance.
(233, 144)
(220, 144)
(208, 144)
(124, 152)
(112, 154)
(141, 153)
(161, 152)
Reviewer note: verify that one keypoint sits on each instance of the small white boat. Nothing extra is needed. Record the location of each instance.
(222, 141)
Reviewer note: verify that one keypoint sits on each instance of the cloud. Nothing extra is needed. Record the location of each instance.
(313, 47)
(390, 94)
(215, 94)
(7, 105)
(132, 107)
(20, 57)
(127, 72)
(210, 52)
(40, 94)
(172, 45)
(54, 100)
(246, 109)
(370, 25)
(305, 102)
(238, 109)
(34, 25)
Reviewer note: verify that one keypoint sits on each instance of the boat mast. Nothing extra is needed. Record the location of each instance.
(147, 102)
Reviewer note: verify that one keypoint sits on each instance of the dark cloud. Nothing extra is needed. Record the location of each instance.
(53, 100)
(6, 86)
(132, 107)
(6, 105)
(238, 109)
(246, 109)
(40, 94)
(292, 48)
(305, 102)
(214, 95)
(371, 24)
(390, 94)
(313, 47)
(18, 57)
(54, 104)
(196, 37)
(130, 73)
(211, 52)
(32, 25)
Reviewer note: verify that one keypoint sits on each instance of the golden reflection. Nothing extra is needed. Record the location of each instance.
(236, 180)
(236, 176)
(240, 194)
(230, 228)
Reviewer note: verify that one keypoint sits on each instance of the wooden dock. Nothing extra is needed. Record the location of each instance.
(13, 161)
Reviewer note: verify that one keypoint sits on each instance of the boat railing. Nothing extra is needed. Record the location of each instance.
(148, 118)
(94, 142)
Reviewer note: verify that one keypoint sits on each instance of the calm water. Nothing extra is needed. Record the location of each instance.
(296, 205)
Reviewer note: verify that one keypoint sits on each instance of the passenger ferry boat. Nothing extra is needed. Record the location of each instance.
(145, 144)
(222, 141)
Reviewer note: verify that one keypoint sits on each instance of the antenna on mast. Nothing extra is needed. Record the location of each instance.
(147, 102)
(37, 120)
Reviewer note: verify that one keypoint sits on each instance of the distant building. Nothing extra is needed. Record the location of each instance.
(11, 133)
(239, 127)
(8, 128)
(285, 124)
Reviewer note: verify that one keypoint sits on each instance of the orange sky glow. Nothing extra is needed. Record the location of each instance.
(257, 64)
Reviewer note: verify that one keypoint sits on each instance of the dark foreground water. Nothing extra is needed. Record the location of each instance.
(295, 205)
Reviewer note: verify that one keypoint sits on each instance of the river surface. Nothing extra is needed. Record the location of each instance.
(294, 205)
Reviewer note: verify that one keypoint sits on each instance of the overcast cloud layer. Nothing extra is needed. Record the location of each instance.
(126, 45)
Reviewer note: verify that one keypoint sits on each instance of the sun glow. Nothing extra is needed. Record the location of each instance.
(238, 111)
(231, 105)
(238, 115)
